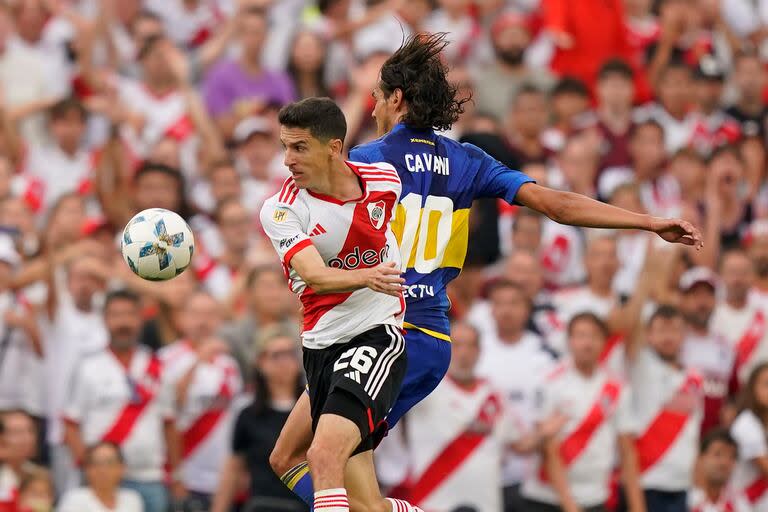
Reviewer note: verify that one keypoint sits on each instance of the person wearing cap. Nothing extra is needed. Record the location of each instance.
(257, 156)
(705, 350)
(713, 127)
(497, 83)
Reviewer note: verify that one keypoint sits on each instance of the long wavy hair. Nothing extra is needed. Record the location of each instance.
(417, 70)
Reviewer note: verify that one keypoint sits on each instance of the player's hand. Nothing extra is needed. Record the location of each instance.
(677, 231)
(385, 278)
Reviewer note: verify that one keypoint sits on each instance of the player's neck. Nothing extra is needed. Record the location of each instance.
(340, 183)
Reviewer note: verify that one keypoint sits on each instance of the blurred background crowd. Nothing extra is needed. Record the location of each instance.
(121, 394)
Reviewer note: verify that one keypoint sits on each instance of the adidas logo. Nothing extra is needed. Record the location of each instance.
(354, 375)
(317, 230)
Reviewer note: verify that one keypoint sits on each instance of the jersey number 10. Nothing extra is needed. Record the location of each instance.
(429, 228)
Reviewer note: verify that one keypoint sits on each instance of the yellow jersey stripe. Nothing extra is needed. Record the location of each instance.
(430, 332)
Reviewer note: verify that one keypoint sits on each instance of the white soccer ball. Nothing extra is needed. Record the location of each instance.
(157, 244)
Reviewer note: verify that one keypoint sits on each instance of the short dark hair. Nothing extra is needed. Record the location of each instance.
(747, 400)
(527, 89)
(527, 213)
(588, 316)
(666, 312)
(715, 435)
(570, 85)
(722, 150)
(417, 70)
(63, 107)
(506, 284)
(150, 167)
(321, 116)
(647, 123)
(149, 44)
(616, 67)
(259, 271)
(674, 66)
(88, 455)
(122, 294)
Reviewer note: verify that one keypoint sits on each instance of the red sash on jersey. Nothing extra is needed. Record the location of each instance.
(750, 340)
(126, 420)
(610, 344)
(663, 430)
(573, 445)
(206, 423)
(455, 453)
(181, 129)
(756, 489)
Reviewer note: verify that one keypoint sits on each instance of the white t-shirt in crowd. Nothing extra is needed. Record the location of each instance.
(83, 499)
(730, 501)
(102, 392)
(205, 421)
(518, 371)
(746, 331)
(451, 416)
(750, 434)
(577, 396)
(71, 336)
(572, 301)
(660, 387)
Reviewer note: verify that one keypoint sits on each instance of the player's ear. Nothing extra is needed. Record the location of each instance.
(396, 98)
(335, 146)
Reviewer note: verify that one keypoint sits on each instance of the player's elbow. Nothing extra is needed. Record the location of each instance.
(559, 206)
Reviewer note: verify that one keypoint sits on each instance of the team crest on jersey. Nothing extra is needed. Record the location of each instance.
(376, 213)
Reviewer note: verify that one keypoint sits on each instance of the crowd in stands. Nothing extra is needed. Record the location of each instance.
(592, 370)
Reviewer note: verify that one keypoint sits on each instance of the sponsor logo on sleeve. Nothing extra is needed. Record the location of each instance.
(286, 243)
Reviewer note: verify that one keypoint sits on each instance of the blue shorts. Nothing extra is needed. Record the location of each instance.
(428, 360)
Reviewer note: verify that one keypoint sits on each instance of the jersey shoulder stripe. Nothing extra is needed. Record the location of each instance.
(288, 192)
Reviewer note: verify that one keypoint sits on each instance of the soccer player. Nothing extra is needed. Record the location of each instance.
(440, 180)
(330, 225)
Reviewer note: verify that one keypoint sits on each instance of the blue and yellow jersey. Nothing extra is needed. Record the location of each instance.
(441, 178)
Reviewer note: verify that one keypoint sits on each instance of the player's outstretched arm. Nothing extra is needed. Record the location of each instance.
(578, 210)
(383, 278)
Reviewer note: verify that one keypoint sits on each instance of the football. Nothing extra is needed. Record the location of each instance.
(157, 244)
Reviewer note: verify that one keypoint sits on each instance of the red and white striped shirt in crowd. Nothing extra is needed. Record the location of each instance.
(751, 436)
(456, 437)
(205, 420)
(746, 331)
(668, 406)
(599, 410)
(9, 489)
(127, 406)
(730, 501)
(712, 357)
(348, 235)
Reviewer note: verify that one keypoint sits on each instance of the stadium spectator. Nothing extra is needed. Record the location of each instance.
(710, 354)
(749, 80)
(737, 319)
(205, 380)
(36, 492)
(18, 446)
(668, 406)
(498, 83)
(525, 123)
(615, 92)
(671, 109)
(277, 382)
(104, 468)
(484, 415)
(306, 64)
(717, 459)
(233, 89)
(574, 465)
(268, 306)
(514, 361)
(749, 432)
(117, 395)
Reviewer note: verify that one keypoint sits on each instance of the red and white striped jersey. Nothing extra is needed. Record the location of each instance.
(712, 357)
(599, 410)
(206, 418)
(668, 406)
(124, 406)
(348, 235)
(746, 331)
(751, 435)
(456, 420)
(730, 501)
(48, 173)
(164, 116)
